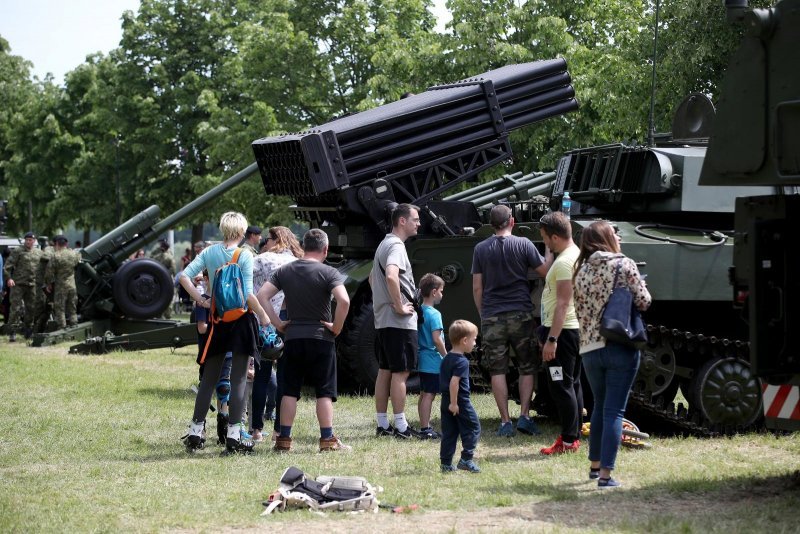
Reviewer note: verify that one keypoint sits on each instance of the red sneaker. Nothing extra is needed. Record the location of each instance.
(560, 448)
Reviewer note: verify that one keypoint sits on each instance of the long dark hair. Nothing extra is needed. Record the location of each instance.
(598, 236)
(285, 240)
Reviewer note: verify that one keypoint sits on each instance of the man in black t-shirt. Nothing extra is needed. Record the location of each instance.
(309, 349)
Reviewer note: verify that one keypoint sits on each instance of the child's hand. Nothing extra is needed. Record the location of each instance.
(453, 408)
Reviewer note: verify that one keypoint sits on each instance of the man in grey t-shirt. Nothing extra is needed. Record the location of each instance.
(500, 266)
(395, 321)
(309, 351)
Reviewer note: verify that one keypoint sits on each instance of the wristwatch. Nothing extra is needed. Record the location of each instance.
(552, 339)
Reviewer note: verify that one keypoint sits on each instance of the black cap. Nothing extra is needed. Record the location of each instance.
(60, 238)
(30, 234)
(253, 230)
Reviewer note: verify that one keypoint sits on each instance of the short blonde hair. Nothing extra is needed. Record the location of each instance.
(232, 225)
(460, 329)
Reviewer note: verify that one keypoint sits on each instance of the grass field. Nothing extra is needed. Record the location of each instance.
(91, 443)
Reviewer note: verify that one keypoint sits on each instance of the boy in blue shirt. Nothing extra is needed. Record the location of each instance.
(458, 415)
(431, 351)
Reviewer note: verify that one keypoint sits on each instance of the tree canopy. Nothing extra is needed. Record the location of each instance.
(172, 111)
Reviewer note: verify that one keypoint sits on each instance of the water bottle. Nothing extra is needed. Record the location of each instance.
(566, 204)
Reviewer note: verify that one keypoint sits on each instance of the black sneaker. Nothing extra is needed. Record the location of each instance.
(222, 428)
(241, 446)
(428, 433)
(408, 433)
(380, 431)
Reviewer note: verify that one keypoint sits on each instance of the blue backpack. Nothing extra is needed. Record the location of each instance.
(228, 299)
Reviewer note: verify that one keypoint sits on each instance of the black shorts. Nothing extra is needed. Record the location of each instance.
(429, 382)
(397, 349)
(311, 360)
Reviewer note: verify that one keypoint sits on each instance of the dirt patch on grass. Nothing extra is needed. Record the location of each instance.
(614, 510)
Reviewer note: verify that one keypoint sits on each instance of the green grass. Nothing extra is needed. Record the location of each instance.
(91, 443)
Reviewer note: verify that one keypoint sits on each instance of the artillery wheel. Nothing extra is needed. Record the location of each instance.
(143, 289)
(727, 393)
(657, 373)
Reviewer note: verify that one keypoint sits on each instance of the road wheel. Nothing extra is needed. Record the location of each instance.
(143, 289)
(727, 393)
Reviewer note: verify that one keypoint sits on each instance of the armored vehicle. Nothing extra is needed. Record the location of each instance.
(347, 175)
(756, 141)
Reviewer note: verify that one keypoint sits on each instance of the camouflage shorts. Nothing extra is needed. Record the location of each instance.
(507, 332)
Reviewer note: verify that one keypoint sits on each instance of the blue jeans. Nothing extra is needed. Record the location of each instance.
(611, 371)
(465, 424)
(265, 385)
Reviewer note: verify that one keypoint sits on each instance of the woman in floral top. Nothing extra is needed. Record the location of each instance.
(282, 248)
(610, 367)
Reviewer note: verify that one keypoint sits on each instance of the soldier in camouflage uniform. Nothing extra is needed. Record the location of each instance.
(20, 275)
(60, 278)
(251, 238)
(164, 256)
(44, 295)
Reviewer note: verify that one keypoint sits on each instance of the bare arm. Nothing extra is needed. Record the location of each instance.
(477, 291)
(438, 342)
(393, 285)
(563, 297)
(267, 291)
(548, 261)
(253, 304)
(342, 306)
(454, 395)
(187, 284)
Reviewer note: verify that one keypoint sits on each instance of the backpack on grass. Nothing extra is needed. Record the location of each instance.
(326, 493)
(228, 300)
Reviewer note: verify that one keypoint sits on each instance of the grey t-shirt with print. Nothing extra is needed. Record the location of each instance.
(391, 251)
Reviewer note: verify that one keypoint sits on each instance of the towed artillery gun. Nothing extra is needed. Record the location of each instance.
(119, 299)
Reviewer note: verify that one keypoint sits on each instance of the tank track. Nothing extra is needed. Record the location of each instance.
(682, 419)
(689, 420)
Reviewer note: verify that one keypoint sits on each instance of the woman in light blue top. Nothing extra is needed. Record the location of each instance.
(238, 337)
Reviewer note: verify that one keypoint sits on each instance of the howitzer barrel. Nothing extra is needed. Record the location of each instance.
(144, 227)
(396, 139)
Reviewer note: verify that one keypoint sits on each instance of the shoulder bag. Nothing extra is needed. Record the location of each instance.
(621, 322)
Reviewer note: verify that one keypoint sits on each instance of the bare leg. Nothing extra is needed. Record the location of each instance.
(424, 408)
(382, 385)
(288, 410)
(525, 394)
(500, 391)
(324, 412)
(398, 392)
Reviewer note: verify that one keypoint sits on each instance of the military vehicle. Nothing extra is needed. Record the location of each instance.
(118, 298)
(756, 141)
(346, 176)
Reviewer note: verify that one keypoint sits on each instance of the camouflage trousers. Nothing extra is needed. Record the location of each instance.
(506, 332)
(65, 301)
(22, 302)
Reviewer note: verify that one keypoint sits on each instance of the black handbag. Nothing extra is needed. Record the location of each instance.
(621, 322)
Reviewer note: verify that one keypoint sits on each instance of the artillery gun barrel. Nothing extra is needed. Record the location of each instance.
(518, 187)
(506, 178)
(144, 228)
(522, 189)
